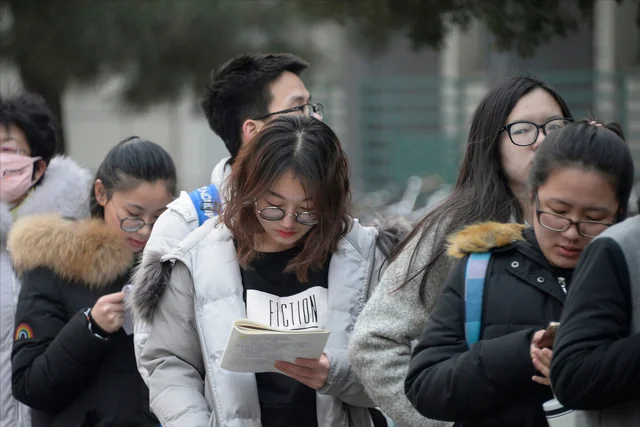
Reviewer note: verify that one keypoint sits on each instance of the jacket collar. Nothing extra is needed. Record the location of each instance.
(484, 237)
(502, 238)
(65, 188)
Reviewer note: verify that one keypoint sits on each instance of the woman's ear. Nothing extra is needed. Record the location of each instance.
(100, 192)
(39, 167)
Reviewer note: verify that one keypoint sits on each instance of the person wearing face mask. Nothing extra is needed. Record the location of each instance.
(285, 237)
(579, 184)
(73, 359)
(32, 180)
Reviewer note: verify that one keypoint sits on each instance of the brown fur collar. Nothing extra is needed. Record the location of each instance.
(85, 251)
(483, 237)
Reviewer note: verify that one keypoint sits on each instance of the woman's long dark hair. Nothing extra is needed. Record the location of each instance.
(482, 191)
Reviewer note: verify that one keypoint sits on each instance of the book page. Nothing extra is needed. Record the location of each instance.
(250, 327)
(258, 352)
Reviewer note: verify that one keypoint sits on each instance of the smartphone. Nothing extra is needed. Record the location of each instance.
(549, 335)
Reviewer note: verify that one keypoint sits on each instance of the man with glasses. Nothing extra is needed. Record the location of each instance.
(32, 181)
(243, 95)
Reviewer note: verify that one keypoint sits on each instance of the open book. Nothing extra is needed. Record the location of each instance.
(254, 347)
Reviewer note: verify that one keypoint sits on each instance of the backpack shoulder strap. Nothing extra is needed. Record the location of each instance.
(206, 201)
(475, 274)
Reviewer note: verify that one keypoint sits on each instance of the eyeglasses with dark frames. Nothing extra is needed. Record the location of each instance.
(311, 110)
(274, 213)
(131, 224)
(524, 133)
(555, 222)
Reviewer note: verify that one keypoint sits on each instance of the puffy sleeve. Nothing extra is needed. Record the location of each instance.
(53, 355)
(173, 358)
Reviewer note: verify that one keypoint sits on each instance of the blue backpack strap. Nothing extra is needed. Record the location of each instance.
(206, 201)
(475, 274)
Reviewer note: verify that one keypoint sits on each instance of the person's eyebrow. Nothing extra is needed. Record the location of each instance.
(297, 99)
(598, 209)
(133, 205)
(273, 193)
(591, 208)
(138, 207)
(535, 119)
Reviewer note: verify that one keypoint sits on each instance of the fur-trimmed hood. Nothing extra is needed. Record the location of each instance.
(483, 237)
(65, 188)
(85, 251)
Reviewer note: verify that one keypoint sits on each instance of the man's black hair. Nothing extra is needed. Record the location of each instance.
(241, 89)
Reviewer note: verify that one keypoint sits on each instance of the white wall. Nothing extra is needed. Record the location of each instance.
(95, 121)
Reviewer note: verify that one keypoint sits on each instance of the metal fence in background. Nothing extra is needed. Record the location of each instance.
(417, 126)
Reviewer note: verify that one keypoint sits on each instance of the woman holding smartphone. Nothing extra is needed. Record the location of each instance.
(579, 184)
(72, 361)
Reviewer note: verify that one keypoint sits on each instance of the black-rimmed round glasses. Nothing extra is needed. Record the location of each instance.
(131, 224)
(311, 110)
(274, 213)
(555, 222)
(524, 133)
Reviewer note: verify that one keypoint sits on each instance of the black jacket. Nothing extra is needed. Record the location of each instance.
(60, 368)
(596, 362)
(489, 384)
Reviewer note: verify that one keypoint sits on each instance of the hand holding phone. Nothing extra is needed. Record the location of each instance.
(549, 336)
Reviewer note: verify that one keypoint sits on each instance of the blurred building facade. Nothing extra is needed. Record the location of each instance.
(413, 109)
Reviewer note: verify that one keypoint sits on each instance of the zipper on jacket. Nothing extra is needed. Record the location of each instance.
(563, 284)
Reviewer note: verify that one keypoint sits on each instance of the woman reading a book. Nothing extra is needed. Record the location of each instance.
(284, 253)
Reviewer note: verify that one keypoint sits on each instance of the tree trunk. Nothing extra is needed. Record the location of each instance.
(51, 92)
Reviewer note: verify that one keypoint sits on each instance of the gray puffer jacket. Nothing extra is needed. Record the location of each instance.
(190, 299)
(65, 188)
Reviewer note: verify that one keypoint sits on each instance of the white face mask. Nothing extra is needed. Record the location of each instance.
(16, 173)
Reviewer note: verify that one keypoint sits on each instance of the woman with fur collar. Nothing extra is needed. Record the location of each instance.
(32, 181)
(73, 360)
(285, 238)
(491, 186)
(580, 182)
